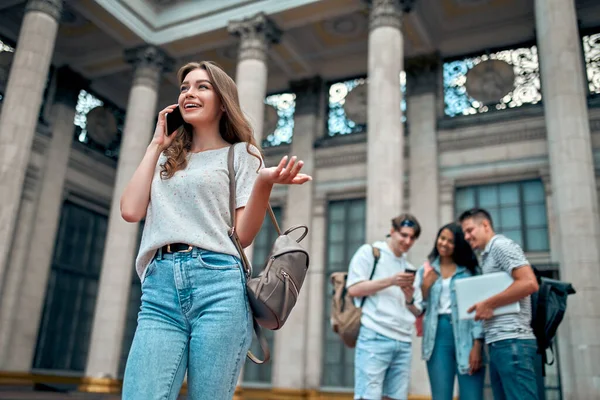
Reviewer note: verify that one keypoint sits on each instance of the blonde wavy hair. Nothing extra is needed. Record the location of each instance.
(233, 126)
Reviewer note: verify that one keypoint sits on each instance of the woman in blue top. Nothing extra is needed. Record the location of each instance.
(450, 346)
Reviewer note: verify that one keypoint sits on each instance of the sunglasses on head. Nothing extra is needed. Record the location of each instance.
(407, 223)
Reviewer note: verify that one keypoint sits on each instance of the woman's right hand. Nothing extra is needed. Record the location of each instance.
(429, 278)
(160, 138)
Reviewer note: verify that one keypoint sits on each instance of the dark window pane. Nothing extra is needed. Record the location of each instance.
(518, 210)
(510, 218)
(346, 232)
(488, 196)
(495, 215)
(465, 199)
(533, 192)
(65, 330)
(537, 239)
(509, 194)
(535, 215)
(515, 235)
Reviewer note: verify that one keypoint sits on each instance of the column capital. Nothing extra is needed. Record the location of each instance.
(148, 62)
(68, 85)
(53, 8)
(256, 34)
(388, 12)
(307, 93)
(422, 74)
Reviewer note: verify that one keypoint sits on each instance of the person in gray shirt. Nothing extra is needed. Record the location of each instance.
(510, 338)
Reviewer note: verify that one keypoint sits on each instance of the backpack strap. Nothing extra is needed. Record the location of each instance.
(264, 345)
(376, 256)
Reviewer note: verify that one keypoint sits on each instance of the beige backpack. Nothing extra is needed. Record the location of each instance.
(345, 316)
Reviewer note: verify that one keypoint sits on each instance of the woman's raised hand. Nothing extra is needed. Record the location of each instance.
(286, 173)
(160, 138)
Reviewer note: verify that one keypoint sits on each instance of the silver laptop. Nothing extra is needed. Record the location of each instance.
(478, 288)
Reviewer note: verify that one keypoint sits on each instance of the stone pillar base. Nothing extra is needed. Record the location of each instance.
(100, 385)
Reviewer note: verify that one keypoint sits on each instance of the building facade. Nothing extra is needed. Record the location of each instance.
(425, 106)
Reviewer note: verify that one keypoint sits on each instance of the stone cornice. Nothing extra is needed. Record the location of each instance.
(354, 153)
(497, 138)
(256, 34)
(52, 8)
(503, 134)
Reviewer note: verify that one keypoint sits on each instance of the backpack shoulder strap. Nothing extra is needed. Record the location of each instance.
(376, 256)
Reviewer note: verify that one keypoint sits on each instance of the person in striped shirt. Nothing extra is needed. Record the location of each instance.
(510, 339)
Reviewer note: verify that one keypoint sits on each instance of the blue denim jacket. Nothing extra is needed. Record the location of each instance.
(465, 331)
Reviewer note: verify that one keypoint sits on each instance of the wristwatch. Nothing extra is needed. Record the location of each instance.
(411, 302)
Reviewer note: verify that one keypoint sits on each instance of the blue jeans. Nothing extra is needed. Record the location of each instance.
(442, 367)
(381, 366)
(512, 369)
(194, 316)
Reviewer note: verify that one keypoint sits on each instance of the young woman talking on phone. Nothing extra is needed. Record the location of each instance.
(194, 316)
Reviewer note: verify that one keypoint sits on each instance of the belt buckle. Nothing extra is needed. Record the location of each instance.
(189, 249)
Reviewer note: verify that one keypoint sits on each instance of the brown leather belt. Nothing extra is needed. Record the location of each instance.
(177, 248)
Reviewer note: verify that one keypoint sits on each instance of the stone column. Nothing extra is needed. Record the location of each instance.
(256, 34)
(421, 79)
(16, 347)
(422, 76)
(32, 275)
(291, 341)
(575, 197)
(21, 106)
(447, 212)
(316, 302)
(385, 153)
(121, 241)
(553, 233)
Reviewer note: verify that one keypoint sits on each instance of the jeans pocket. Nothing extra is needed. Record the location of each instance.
(213, 260)
(526, 351)
(366, 334)
(149, 270)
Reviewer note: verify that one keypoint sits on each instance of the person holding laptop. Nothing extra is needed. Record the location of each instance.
(383, 351)
(451, 347)
(512, 344)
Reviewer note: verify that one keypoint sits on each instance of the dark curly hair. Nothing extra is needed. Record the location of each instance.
(463, 254)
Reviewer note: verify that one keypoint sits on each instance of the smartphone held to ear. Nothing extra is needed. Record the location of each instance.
(174, 121)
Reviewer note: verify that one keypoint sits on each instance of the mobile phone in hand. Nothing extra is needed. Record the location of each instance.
(174, 121)
(410, 271)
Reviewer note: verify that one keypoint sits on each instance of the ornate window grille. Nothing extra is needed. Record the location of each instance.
(85, 103)
(527, 89)
(591, 52)
(285, 106)
(338, 122)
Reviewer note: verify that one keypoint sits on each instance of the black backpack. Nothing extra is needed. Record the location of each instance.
(548, 307)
